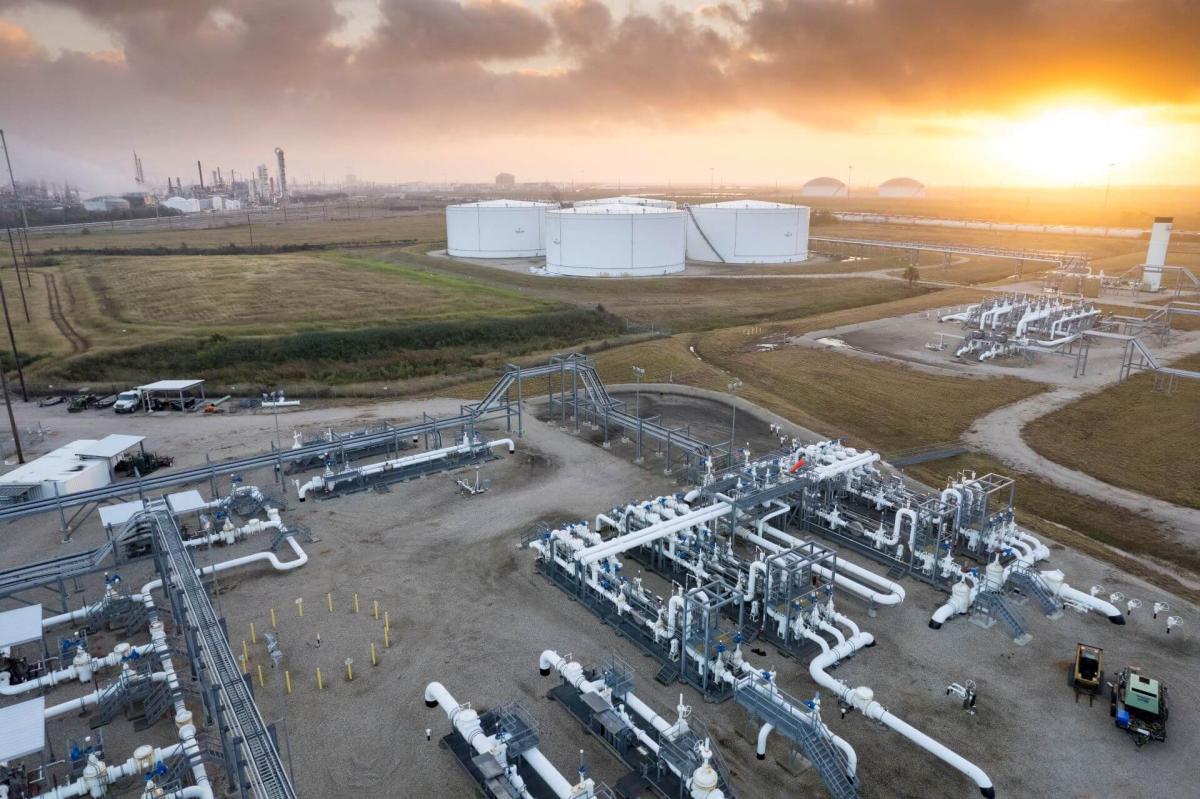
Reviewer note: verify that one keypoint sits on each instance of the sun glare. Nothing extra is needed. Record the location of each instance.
(1073, 145)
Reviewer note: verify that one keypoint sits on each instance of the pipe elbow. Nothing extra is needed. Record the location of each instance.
(1117, 619)
(431, 693)
(547, 662)
(988, 792)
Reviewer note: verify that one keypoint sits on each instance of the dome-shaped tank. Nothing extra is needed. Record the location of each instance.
(748, 232)
(615, 240)
(902, 187)
(496, 229)
(824, 187)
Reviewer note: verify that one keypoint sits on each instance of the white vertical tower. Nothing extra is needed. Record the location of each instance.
(1156, 253)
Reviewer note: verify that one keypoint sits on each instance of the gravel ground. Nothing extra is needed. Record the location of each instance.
(466, 608)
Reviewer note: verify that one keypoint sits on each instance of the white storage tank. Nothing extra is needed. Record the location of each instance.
(824, 187)
(747, 232)
(496, 229)
(649, 202)
(618, 240)
(902, 187)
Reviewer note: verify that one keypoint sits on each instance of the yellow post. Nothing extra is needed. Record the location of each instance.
(320, 682)
(300, 606)
(376, 610)
(253, 635)
(374, 659)
(242, 660)
(261, 684)
(273, 619)
(287, 681)
(245, 651)
(387, 643)
(349, 670)
(356, 602)
(387, 622)
(329, 601)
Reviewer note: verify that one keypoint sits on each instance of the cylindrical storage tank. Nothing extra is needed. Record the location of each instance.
(615, 241)
(649, 202)
(496, 229)
(747, 232)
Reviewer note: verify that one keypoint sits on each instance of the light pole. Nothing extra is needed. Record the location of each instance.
(849, 176)
(734, 385)
(638, 374)
(1107, 187)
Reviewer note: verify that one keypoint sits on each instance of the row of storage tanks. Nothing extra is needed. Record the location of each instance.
(628, 236)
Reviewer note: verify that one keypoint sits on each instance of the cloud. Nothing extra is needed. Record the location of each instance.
(223, 70)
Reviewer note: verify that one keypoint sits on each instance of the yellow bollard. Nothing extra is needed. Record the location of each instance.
(320, 682)
(273, 627)
(349, 670)
(387, 643)
(261, 684)
(242, 660)
(300, 606)
(329, 601)
(253, 636)
(287, 681)
(245, 651)
(376, 610)
(387, 622)
(356, 603)
(374, 659)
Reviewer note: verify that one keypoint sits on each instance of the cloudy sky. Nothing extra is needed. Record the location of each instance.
(956, 92)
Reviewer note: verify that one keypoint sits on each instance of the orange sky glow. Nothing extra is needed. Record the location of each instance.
(987, 93)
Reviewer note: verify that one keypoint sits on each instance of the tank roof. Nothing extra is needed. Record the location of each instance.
(903, 182)
(825, 181)
(502, 204)
(760, 204)
(616, 209)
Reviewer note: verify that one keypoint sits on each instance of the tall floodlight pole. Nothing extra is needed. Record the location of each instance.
(638, 374)
(12, 180)
(12, 420)
(13, 248)
(734, 385)
(12, 339)
(1107, 188)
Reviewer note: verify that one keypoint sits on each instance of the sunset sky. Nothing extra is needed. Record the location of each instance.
(956, 93)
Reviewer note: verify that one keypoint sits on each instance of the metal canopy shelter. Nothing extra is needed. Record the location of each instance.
(20, 626)
(22, 729)
(170, 388)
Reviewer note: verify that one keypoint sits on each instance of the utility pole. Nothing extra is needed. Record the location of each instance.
(638, 374)
(13, 340)
(12, 420)
(13, 247)
(12, 180)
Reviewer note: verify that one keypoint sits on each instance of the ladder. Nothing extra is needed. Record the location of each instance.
(993, 605)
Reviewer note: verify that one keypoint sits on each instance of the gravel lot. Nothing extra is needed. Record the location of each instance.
(466, 609)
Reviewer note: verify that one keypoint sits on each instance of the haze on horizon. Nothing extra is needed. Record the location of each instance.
(981, 93)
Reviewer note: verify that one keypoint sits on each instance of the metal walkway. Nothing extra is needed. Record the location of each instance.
(496, 402)
(68, 567)
(929, 452)
(802, 725)
(256, 761)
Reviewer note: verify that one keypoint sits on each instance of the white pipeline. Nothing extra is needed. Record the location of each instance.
(1054, 580)
(81, 669)
(624, 543)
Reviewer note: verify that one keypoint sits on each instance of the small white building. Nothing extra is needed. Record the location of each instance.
(79, 466)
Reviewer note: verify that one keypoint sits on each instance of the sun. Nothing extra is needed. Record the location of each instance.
(1072, 145)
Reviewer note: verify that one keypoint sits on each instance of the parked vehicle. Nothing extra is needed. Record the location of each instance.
(128, 401)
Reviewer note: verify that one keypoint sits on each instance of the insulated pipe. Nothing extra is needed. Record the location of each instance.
(764, 732)
(82, 703)
(98, 775)
(894, 591)
(569, 670)
(825, 472)
(1054, 579)
(642, 709)
(624, 543)
(549, 774)
(863, 699)
(464, 719)
(81, 669)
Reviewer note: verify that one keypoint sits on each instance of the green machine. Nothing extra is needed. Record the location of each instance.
(1139, 706)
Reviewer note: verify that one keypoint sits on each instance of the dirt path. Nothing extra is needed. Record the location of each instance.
(77, 341)
(1000, 434)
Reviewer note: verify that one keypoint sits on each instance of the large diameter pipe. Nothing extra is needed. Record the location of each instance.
(624, 543)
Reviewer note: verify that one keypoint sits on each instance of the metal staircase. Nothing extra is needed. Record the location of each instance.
(801, 724)
(990, 606)
(1031, 584)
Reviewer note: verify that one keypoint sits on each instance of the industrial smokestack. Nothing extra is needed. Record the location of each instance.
(1156, 253)
(283, 190)
(200, 171)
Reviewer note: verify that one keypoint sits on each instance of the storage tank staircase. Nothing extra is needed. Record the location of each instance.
(704, 236)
